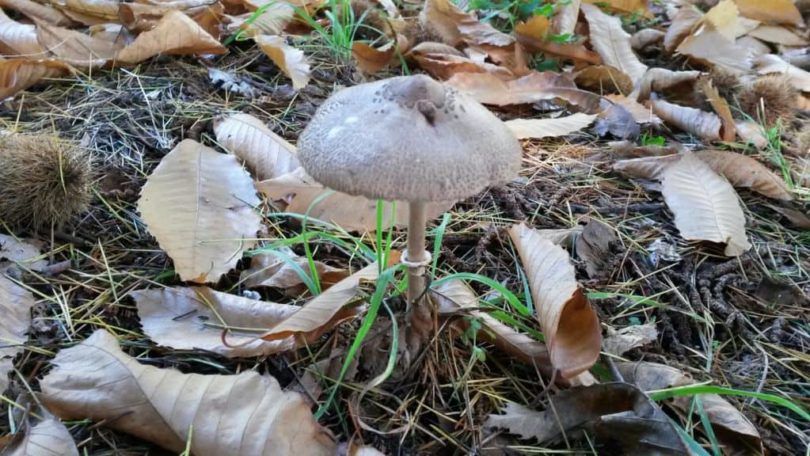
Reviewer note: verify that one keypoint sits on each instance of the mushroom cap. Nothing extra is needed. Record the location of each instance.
(407, 138)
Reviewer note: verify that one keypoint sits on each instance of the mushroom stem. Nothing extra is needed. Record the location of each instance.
(416, 251)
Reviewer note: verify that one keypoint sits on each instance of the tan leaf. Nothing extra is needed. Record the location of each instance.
(612, 43)
(771, 11)
(770, 63)
(728, 132)
(15, 306)
(682, 24)
(724, 19)
(743, 171)
(709, 46)
(74, 47)
(778, 34)
(266, 154)
(645, 167)
(198, 204)
(734, 430)
(570, 325)
(298, 191)
(603, 78)
(18, 39)
(549, 128)
(569, 51)
(292, 62)
(754, 46)
(175, 34)
(89, 12)
(641, 113)
(114, 33)
(661, 79)
(625, 339)
(703, 124)
(594, 248)
(489, 89)
(705, 205)
(566, 17)
(751, 132)
(282, 268)
(645, 38)
(245, 414)
(16, 254)
(454, 25)
(19, 74)
(272, 21)
(371, 60)
(536, 27)
(326, 310)
(48, 437)
(446, 65)
(37, 11)
(625, 6)
(195, 318)
(141, 17)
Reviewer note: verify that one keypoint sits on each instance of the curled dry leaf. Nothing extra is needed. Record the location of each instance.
(292, 62)
(488, 89)
(728, 132)
(37, 11)
(645, 167)
(48, 437)
(566, 17)
(645, 38)
(283, 268)
(771, 11)
(266, 154)
(245, 414)
(612, 43)
(769, 64)
(297, 191)
(15, 306)
(89, 12)
(76, 48)
(752, 133)
(705, 125)
(661, 80)
(371, 60)
(549, 128)
(705, 205)
(195, 318)
(175, 34)
(616, 412)
(625, 339)
(444, 65)
(570, 325)
(19, 74)
(681, 26)
(733, 428)
(198, 204)
(455, 26)
(18, 39)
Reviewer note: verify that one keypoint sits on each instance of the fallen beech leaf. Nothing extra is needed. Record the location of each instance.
(733, 428)
(708, 45)
(48, 437)
(18, 39)
(645, 167)
(454, 25)
(19, 74)
(616, 412)
(549, 128)
(705, 205)
(770, 63)
(704, 125)
(444, 65)
(292, 62)
(625, 6)
(326, 310)
(612, 43)
(266, 154)
(570, 325)
(74, 47)
(198, 204)
(244, 414)
(642, 114)
(175, 34)
(593, 247)
(603, 78)
(779, 35)
(566, 17)
(728, 132)
(275, 269)
(489, 89)
(141, 17)
(89, 12)
(37, 11)
(797, 218)
(195, 318)
(724, 18)
(568, 51)
(622, 341)
(771, 11)
(754, 46)
(298, 191)
(682, 24)
(371, 60)
(15, 306)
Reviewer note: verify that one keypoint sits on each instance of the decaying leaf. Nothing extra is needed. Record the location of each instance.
(244, 414)
(570, 325)
(48, 437)
(266, 154)
(489, 89)
(282, 269)
(297, 192)
(292, 62)
(593, 247)
(771, 11)
(198, 204)
(646, 38)
(709, 46)
(705, 205)
(724, 18)
(630, 337)
(704, 125)
(15, 306)
(37, 11)
(194, 319)
(769, 64)
(617, 412)
(731, 427)
(175, 34)
(612, 43)
(546, 128)
(19, 74)
(18, 39)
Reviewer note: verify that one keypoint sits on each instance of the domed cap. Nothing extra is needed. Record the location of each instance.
(407, 138)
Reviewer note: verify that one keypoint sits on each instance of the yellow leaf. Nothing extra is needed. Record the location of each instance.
(371, 60)
(728, 131)
(292, 62)
(723, 17)
(624, 6)
(771, 11)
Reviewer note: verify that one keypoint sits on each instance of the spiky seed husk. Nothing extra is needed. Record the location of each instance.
(775, 93)
(726, 82)
(44, 180)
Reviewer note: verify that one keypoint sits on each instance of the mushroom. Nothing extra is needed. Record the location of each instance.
(408, 138)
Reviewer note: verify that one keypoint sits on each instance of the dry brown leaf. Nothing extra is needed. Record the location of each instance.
(48, 437)
(15, 306)
(535, 27)
(296, 191)
(681, 26)
(771, 11)
(705, 205)
(642, 114)
(292, 62)
(778, 34)
(37, 11)
(244, 414)
(18, 39)
(141, 17)
(566, 17)
(195, 318)
(445, 65)
(624, 6)
(455, 26)
(549, 128)
(709, 46)
(746, 172)
(603, 78)
(770, 63)
(266, 154)
(489, 89)
(622, 341)
(20, 254)
(283, 269)
(570, 325)
(733, 428)
(74, 47)
(371, 60)
(705, 125)
(19, 74)
(89, 12)
(752, 133)
(662, 79)
(612, 43)
(728, 132)
(570, 51)
(175, 34)
(198, 204)
(114, 33)
(645, 167)
(594, 246)
(328, 309)
(272, 21)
